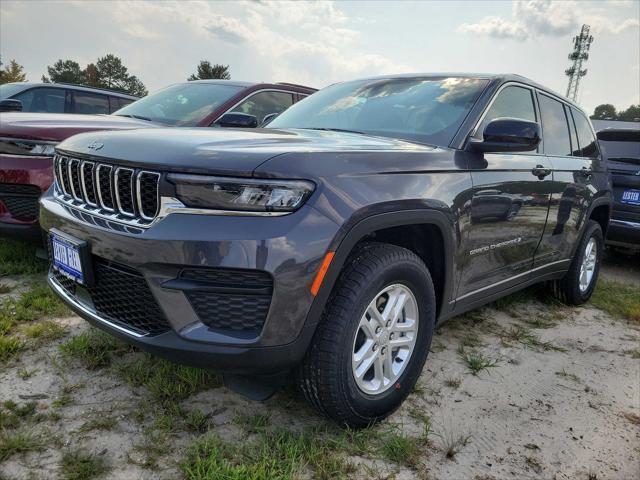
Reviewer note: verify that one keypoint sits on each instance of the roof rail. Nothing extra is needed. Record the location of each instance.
(89, 87)
(295, 85)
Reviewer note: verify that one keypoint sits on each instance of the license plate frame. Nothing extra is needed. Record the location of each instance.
(71, 257)
(630, 196)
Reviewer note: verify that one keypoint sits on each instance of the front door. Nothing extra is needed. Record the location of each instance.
(509, 206)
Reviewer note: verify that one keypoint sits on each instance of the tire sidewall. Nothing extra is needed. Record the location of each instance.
(415, 277)
(594, 231)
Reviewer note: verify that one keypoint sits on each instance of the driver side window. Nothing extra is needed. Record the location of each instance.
(264, 103)
(513, 102)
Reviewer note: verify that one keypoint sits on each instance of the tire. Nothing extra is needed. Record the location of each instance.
(327, 377)
(568, 289)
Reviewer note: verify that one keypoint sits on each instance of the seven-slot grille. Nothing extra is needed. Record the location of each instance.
(126, 193)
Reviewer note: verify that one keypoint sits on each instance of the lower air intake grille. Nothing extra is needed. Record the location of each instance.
(122, 295)
(240, 306)
(245, 313)
(21, 200)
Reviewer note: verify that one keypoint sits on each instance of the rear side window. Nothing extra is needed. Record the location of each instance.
(264, 103)
(47, 100)
(513, 102)
(90, 103)
(555, 129)
(586, 140)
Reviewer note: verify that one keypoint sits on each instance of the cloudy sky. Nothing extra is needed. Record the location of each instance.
(319, 43)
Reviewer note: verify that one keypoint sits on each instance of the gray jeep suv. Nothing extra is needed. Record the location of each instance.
(332, 243)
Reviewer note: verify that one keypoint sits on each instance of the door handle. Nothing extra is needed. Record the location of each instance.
(540, 171)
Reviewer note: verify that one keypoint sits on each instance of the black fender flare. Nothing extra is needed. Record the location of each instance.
(344, 242)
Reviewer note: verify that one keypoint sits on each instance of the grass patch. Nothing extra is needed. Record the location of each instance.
(99, 423)
(617, 299)
(253, 423)
(571, 376)
(453, 443)
(524, 336)
(45, 331)
(26, 374)
(19, 258)
(19, 441)
(476, 361)
(453, 382)
(196, 421)
(167, 382)
(10, 347)
(276, 454)
(401, 449)
(36, 303)
(94, 348)
(82, 465)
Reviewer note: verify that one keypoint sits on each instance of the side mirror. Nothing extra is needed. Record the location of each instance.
(267, 119)
(508, 135)
(10, 105)
(237, 120)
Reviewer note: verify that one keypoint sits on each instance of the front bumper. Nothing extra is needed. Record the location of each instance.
(289, 248)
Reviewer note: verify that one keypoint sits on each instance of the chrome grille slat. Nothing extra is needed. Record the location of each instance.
(123, 180)
(117, 194)
(88, 184)
(105, 187)
(74, 179)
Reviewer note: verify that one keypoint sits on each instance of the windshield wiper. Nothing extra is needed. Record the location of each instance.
(138, 117)
(334, 130)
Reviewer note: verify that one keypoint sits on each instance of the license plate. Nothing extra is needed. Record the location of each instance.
(631, 197)
(67, 257)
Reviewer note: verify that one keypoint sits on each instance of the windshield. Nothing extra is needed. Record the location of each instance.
(425, 110)
(182, 105)
(9, 89)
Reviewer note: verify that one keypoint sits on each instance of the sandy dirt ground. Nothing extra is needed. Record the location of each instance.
(563, 406)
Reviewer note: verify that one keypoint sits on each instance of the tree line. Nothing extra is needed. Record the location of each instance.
(606, 111)
(107, 72)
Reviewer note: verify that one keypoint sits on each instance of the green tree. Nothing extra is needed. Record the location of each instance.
(65, 71)
(606, 111)
(206, 71)
(631, 114)
(106, 72)
(14, 72)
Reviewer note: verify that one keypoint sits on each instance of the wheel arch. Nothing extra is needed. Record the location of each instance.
(384, 227)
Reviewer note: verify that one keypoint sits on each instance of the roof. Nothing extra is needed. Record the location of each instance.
(74, 87)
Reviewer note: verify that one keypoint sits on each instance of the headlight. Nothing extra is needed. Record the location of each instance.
(239, 194)
(16, 146)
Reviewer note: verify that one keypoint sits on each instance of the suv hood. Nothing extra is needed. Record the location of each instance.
(59, 126)
(221, 150)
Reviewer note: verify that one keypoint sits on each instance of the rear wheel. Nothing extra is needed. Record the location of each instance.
(374, 337)
(576, 287)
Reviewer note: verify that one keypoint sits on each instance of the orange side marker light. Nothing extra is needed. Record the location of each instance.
(317, 282)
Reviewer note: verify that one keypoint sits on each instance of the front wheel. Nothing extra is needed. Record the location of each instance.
(374, 336)
(576, 287)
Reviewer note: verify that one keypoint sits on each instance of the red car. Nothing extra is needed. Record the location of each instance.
(27, 140)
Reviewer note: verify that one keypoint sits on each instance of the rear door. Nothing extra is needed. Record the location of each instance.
(570, 146)
(509, 205)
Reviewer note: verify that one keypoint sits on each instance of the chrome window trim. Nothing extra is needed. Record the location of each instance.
(73, 188)
(139, 196)
(251, 95)
(99, 190)
(115, 185)
(84, 183)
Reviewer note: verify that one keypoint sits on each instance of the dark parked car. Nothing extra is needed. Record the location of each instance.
(61, 98)
(27, 140)
(621, 148)
(331, 244)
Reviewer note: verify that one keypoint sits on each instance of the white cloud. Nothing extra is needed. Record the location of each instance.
(535, 18)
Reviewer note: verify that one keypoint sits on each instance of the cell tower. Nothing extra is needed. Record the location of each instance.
(581, 46)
